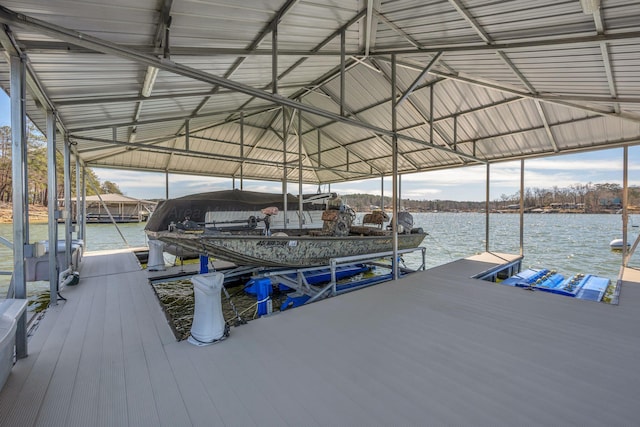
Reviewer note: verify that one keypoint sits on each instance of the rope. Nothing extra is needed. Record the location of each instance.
(240, 320)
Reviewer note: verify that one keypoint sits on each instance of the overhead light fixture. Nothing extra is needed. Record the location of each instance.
(590, 6)
(149, 81)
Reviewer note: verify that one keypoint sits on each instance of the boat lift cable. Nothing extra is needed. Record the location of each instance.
(239, 320)
(442, 247)
(108, 213)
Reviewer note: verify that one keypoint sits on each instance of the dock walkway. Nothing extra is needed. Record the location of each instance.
(434, 348)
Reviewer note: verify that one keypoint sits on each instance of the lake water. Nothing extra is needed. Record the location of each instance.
(567, 243)
(99, 237)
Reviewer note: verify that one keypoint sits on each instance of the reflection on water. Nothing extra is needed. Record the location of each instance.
(567, 243)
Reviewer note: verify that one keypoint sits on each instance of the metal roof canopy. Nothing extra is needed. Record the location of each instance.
(228, 89)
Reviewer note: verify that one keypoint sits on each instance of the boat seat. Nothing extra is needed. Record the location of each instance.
(375, 217)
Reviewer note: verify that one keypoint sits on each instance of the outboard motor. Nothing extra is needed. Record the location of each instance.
(405, 222)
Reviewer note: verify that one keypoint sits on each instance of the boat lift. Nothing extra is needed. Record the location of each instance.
(305, 293)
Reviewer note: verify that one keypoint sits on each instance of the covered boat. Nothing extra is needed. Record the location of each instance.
(243, 227)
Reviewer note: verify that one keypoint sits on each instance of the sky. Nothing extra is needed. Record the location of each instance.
(462, 184)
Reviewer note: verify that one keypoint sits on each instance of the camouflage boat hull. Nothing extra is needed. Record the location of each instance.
(286, 251)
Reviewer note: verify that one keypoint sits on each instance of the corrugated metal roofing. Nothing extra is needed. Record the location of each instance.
(509, 79)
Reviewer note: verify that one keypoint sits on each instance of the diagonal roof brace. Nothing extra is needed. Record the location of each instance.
(415, 83)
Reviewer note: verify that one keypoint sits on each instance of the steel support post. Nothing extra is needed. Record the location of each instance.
(394, 179)
(400, 192)
(625, 200)
(77, 193)
(319, 150)
(52, 208)
(20, 199)
(342, 69)
(274, 58)
(431, 113)
(300, 204)
(83, 229)
(186, 135)
(522, 207)
(166, 185)
(455, 133)
(284, 165)
(382, 193)
(68, 232)
(486, 210)
(242, 150)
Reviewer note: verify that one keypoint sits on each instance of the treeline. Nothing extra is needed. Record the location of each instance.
(37, 170)
(588, 198)
(368, 202)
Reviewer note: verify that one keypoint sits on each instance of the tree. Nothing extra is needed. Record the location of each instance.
(5, 164)
(109, 187)
(37, 162)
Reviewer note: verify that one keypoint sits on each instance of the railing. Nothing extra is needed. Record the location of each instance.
(8, 244)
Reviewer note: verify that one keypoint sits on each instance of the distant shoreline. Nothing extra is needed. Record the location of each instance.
(37, 214)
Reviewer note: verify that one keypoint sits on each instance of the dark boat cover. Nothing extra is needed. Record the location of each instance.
(194, 207)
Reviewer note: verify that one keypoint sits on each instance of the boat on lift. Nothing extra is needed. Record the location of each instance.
(256, 236)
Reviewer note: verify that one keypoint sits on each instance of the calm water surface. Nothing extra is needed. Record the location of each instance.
(568, 243)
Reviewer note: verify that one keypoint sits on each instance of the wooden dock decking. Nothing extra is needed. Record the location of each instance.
(436, 348)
